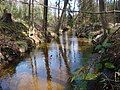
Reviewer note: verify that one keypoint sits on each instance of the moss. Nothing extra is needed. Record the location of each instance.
(13, 36)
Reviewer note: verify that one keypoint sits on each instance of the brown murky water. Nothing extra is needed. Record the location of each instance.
(47, 68)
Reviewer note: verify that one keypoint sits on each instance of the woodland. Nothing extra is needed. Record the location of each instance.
(30, 25)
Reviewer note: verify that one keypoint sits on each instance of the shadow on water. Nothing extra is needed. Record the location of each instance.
(47, 68)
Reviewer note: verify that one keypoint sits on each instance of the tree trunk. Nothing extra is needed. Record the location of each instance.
(24, 9)
(103, 21)
(32, 13)
(103, 16)
(45, 17)
(58, 9)
(118, 14)
(29, 12)
(62, 15)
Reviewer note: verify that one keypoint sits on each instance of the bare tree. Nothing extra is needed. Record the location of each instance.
(58, 9)
(103, 16)
(29, 11)
(118, 14)
(62, 15)
(32, 13)
(45, 16)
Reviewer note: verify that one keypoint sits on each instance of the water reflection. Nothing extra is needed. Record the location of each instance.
(63, 47)
(49, 86)
(47, 68)
(47, 63)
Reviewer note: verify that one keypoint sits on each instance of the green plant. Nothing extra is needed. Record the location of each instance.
(102, 47)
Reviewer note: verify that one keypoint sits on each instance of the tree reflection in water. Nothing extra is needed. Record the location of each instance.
(35, 78)
(49, 67)
(49, 77)
(63, 47)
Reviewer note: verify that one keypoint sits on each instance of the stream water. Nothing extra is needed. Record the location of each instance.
(46, 68)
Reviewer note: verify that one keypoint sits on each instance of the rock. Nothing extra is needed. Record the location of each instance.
(1, 57)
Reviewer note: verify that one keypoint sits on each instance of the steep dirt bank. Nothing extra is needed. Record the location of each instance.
(14, 39)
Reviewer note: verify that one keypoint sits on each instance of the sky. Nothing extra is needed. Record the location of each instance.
(52, 4)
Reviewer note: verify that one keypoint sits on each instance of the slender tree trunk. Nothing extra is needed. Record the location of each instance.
(103, 20)
(58, 9)
(55, 15)
(24, 9)
(45, 16)
(29, 12)
(32, 13)
(117, 8)
(103, 16)
(62, 15)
